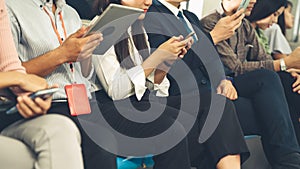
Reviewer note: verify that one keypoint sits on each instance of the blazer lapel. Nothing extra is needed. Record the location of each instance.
(171, 20)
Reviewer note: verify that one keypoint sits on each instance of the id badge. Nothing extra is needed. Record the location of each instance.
(78, 99)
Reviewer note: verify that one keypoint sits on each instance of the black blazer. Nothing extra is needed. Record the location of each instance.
(200, 63)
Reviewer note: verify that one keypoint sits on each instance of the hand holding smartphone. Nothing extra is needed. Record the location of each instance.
(188, 44)
(43, 94)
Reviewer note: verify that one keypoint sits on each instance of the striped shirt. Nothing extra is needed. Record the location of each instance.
(8, 55)
(34, 36)
(241, 52)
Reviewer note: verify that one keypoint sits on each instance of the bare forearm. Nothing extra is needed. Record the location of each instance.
(277, 56)
(9, 79)
(151, 63)
(45, 64)
(160, 73)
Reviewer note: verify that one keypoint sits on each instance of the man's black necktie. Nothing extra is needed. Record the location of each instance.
(188, 29)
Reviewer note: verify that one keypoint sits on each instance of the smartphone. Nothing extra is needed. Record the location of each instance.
(189, 35)
(43, 94)
(244, 4)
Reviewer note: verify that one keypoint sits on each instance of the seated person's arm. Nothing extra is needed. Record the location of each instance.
(74, 49)
(226, 26)
(28, 83)
(277, 55)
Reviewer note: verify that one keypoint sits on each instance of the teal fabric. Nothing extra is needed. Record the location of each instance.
(263, 40)
(134, 163)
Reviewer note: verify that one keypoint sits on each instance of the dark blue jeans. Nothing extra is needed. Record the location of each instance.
(269, 115)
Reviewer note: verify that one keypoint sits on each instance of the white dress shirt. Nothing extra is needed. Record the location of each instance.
(120, 83)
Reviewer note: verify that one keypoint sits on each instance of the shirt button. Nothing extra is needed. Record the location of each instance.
(203, 81)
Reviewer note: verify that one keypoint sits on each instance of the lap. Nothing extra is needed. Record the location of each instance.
(15, 154)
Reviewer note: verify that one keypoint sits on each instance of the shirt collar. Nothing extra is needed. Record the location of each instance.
(220, 9)
(49, 3)
(172, 8)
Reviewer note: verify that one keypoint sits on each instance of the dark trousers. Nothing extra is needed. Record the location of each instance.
(293, 100)
(175, 158)
(94, 156)
(263, 110)
(226, 139)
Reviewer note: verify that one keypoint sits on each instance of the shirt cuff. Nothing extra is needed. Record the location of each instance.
(137, 77)
(269, 64)
(162, 88)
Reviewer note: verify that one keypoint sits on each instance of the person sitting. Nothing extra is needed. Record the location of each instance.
(243, 54)
(53, 46)
(31, 138)
(286, 19)
(277, 42)
(128, 70)
(160, 26)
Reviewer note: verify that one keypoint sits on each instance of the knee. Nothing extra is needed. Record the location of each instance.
(267, 76)
(51, 128)
(15, 154)
(58, 125)
(229, 111)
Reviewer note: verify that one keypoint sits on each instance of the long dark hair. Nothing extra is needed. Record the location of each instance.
(264, 8)
(122, 46)
(281, 19)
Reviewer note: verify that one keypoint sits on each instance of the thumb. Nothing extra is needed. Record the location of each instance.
(80, 32)
(219, 91)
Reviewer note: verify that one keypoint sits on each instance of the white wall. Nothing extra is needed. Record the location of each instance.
(203, 7)
(196, 6)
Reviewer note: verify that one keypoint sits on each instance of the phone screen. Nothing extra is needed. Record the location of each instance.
(190, 35)
(244, 4)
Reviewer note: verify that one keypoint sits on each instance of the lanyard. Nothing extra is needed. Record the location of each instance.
(59, 37)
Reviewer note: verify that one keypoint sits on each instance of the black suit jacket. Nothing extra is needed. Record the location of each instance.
(201, 67)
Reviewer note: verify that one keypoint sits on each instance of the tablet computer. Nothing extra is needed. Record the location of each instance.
(112, 23)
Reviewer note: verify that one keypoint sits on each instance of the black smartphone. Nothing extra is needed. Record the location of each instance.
(44, 94)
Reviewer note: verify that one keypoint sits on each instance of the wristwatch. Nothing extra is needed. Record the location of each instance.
(282, 65)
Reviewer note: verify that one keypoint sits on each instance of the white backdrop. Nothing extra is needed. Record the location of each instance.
(203, 7)
(196, 6)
